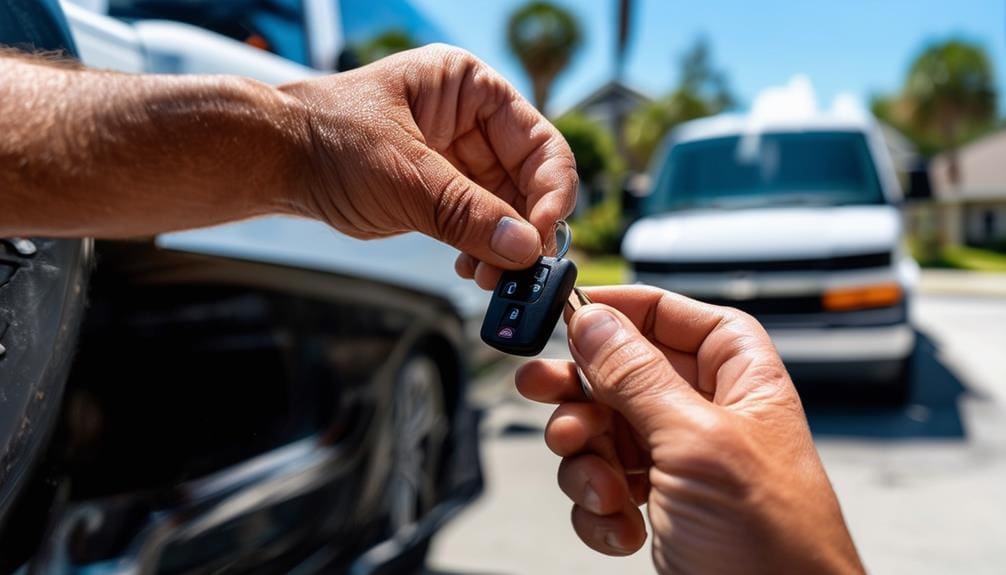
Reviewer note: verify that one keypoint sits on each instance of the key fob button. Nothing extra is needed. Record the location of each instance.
(511, 288)
(506, 332)
(541, 274)
(513, 315)
(536, 290)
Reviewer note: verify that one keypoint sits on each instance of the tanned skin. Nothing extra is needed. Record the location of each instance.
(430, 140)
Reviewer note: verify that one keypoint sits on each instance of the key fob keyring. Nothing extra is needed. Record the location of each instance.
(527, 304)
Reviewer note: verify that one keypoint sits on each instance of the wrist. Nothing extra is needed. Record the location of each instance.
(278, 165)
(243, 140)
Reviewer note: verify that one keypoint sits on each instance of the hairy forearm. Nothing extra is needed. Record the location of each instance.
(89, 153)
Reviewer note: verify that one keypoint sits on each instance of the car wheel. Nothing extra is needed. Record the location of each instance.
(897, 390)
(419, 428)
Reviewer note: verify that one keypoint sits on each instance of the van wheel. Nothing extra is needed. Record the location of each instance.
(896, 391)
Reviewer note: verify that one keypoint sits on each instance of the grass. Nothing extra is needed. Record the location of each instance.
(600, 270)
(964, 258)
(975, 259)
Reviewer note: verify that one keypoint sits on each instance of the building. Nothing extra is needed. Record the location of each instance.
(605, 104)
(974, 207)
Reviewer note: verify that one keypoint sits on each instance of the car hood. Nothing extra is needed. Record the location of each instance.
(763, 234)
(412, 260)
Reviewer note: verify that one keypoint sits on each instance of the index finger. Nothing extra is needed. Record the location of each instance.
(537, 158)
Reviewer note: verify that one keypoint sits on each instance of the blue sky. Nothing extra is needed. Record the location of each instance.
(858, 46)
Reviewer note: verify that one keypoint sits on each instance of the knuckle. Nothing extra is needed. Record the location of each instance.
(709, 449)
(450, 54)
(454, 210)
(743, 322)
(630, 367)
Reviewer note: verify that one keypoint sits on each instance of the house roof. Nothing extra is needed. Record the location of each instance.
(609, 90)
(982, 170)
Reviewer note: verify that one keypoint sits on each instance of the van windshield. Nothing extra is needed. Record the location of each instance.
(767, 169)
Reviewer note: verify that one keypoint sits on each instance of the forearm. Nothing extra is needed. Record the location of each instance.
(88, 153)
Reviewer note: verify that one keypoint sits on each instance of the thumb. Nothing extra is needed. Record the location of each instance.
(471, 218)
(626, 371)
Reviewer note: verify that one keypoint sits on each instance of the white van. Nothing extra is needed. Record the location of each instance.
(795, 221)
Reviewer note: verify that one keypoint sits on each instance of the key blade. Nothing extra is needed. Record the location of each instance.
(577, 299)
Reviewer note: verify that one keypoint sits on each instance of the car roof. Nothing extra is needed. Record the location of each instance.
(725, 125)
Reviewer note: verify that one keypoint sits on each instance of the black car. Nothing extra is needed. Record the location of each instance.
(225, 415)
(174, 410)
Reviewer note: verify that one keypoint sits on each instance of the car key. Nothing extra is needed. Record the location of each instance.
(577, 299)
(526, 304)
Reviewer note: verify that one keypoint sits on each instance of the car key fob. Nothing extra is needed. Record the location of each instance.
(526, 306)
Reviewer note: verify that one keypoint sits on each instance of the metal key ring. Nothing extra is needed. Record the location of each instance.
(567, 239)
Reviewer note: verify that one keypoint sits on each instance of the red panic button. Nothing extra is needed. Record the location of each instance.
(506, 332)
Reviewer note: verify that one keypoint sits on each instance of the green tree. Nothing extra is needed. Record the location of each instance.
(592, 147)
(384, 44)
(702, 91)
(949, 97)
(700, 77)
(544, 38)
(648, 125)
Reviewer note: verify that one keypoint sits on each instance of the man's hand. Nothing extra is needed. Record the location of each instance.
(430, 140)
(436, 141)
(696, 416)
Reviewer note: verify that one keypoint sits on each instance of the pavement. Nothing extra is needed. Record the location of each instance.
(923, 486)
(959, 282)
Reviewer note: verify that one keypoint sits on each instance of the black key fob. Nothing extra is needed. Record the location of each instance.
(526, 306)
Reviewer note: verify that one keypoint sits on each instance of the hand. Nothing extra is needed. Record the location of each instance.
(435, 141)
(697, 397)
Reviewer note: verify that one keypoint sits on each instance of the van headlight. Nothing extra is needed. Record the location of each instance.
(862, 297)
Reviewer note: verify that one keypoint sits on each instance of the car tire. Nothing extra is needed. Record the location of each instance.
(420, 426)
(897, 391)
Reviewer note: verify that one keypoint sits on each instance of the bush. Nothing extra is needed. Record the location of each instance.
(592, 146)
(599, 231)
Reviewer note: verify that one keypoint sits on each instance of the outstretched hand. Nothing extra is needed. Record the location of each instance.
(433, 140)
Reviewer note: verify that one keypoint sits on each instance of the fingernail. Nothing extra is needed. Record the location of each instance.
(515, 240)
(612, 540)
(592, 330)
(591, 500)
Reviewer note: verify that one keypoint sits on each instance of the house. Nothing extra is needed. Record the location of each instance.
(609, 102)
(974, 206)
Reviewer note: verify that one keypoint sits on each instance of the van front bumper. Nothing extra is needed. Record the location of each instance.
(844, 344)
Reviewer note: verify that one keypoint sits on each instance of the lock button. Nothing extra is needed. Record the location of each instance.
(513, 315)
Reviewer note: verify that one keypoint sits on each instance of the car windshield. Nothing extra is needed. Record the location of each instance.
(767, 169)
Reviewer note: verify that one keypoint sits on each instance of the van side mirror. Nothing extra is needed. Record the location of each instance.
(635, 187)
(918, 183)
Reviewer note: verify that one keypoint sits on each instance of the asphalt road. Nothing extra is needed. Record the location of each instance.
(923, 486)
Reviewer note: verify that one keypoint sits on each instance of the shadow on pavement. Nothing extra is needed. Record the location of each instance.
(931, 411)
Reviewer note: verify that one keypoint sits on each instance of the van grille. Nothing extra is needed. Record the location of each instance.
(853, 262)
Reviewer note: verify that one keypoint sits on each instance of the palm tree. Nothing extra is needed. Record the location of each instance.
(544, 38)
(950, 95)
(384, 44)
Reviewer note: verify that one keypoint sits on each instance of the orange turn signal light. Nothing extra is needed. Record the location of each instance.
(862, 297)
